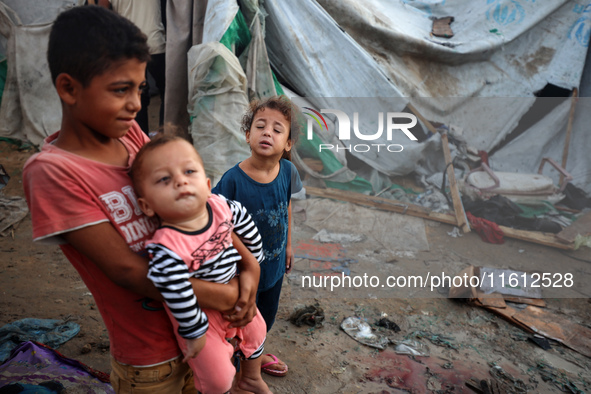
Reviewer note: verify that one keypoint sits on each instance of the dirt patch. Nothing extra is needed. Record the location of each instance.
(37, 281)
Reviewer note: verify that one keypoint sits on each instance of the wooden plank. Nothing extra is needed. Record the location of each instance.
(580, 226)
(462, 220)
(419, 211)
(547, 239)
(381, 203)
(529, 301)
(453, 186)
(494, 299)
(569, 127)
(415, 111)
(550, 325)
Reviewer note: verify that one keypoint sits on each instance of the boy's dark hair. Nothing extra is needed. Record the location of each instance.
(167, 133)
(86, 40)
(279, 103)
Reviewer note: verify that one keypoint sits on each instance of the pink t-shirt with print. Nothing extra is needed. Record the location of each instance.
(66, 192)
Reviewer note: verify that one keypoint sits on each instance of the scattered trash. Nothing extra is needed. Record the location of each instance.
(338, 371)
(361, 332)
(495, 286)
(561, 379)
(532, 318)
(433, 200)
(502, 211)
(412, 348)
(12, 211)
(542, 342)
(489, 231)
(436, 339)
(508, 282)
(511, 384)
(311, 315)
(405, 254)
(488, 386)
(582, 241)
(389, 324)
(575, 198)
(325, 236)
(455, 233)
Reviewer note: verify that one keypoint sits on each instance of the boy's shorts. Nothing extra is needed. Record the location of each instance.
(170, 377)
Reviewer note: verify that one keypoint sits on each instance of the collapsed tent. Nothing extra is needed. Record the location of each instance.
(372, 57)
(482, 81)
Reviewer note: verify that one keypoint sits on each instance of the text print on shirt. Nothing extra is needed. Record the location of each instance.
(123, 207)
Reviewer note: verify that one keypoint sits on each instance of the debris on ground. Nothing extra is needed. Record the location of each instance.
(389, 324)
(561, 379)
(531, 318)
(361, 332)
(436, 339)
(311, 315)
(412, 348)
(509, 383)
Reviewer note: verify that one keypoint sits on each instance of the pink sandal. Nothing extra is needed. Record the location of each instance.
(274, 372)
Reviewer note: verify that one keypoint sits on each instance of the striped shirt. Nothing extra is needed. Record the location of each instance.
(208, 254)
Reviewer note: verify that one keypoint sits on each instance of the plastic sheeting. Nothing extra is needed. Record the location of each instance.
(547, 139)
(217, 88)
(30, 105)
(501, 48)
(221, 84)
(376, 48)
(184, 29)
(241, 30)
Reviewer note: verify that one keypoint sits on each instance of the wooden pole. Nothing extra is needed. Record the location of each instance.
(404, 208)
(569, 128)
(462, 220)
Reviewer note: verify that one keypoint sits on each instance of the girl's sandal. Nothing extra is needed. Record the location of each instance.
(270, 371)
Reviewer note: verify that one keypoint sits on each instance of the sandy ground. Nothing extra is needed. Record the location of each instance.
(37, 281)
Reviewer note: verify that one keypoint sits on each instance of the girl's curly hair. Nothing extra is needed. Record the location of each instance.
(279, 103)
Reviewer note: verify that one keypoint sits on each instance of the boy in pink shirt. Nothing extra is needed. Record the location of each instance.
(81, 197)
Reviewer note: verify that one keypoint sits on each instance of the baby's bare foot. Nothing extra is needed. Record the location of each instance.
(254, 384)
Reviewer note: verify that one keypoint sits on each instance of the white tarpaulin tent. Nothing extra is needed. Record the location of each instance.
(370, 48)
(30, 106)
(509, 49)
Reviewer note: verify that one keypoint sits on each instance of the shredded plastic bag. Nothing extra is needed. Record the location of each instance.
(361, 332)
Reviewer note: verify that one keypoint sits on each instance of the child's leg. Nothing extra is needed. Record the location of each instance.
(252, 340)
(268, 303)
(213, 370)
(251, 379)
